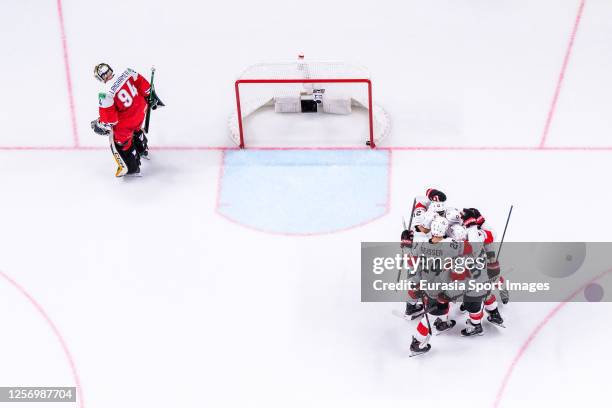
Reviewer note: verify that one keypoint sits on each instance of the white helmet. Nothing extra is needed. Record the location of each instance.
(436, 206)
(475, 235)
(457, 232)
(439, 226)
(422, 218)
(453, 215)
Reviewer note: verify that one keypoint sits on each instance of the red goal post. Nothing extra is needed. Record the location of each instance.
(291, 78)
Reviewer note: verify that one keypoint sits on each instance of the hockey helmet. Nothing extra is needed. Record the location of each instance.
(439, 226)
(103, 72)
(453, 215)
(457, 232)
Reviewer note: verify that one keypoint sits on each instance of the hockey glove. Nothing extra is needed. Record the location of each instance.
(407, 238)
(479, 218)
(154, 100)
(435, 195)
(416, 294)
(444, 298)
(470, 216)
(473, 214)
(100, 128)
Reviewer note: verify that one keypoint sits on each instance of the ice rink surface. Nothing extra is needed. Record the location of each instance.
(142, 292)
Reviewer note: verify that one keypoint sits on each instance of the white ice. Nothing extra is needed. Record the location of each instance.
(161, 302)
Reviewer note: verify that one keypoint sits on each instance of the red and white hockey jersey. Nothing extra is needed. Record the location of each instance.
(123, 104)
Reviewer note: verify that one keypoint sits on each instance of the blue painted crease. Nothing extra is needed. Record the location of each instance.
(304, 191)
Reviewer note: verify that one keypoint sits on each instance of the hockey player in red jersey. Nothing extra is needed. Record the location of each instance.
(122, 107)
(472, 303)
(493, 268)
(425, 209)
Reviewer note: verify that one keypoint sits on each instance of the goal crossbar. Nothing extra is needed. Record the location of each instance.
(300, 81)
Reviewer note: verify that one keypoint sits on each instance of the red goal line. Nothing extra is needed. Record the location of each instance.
(391, 148)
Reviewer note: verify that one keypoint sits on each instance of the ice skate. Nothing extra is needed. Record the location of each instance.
(472, 329)
(416, 348)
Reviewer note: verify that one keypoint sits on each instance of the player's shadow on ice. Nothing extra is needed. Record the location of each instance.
(397, 340)
(158, 169)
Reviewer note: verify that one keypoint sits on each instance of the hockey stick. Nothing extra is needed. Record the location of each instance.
(399, 271)
(425, 305)
(149, 100)
(504, 234)
(498, 252)
(152, 95)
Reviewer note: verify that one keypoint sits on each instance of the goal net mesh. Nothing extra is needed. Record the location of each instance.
(260, 85)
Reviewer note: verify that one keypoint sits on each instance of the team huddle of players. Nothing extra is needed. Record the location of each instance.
(450, 233)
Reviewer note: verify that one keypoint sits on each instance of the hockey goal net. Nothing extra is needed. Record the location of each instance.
(307, 87)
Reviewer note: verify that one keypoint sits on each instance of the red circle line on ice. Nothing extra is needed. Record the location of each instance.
(521, 352)
(56, 332)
